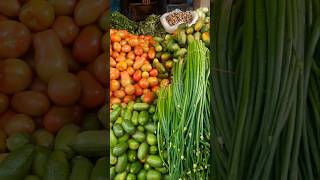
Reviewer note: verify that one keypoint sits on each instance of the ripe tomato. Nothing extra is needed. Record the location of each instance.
(15, 75)
(6, 117)
(146, 67)
(100, 68)
(148, 97)
(138, 50)
(50, 57)
(119, 94)
(39, 86)
(87, 45)
(10, 8)
(113, 62)
(57, 117)
(122, 66)
(66, 29)
(128, 98)
(115, 38)
(130, 89)
(115, 100)
(145, 75)
(131, 55)
(151, 53)
(88, 11)
(114, 85)
(114, 73)
(153, 81)
(4, 103)
(64, 89)
(153, 73)
(31, 103)
(139, 90)
(130, 71)
(63, 7)
(19, 123)
(37, 15)
(133, 42)
(93, 94)
(104, 42)
(126, 48)
(15, 39)
(116, 46)
(144, 83)
(129, 62)
(137, 75)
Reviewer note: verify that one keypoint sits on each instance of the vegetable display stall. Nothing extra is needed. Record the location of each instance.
(53, 112)
(159, 98)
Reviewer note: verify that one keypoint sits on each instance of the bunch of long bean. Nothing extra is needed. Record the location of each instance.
(184, 116)
(263, 53)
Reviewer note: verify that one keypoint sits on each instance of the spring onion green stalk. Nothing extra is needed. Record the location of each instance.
(183, 110)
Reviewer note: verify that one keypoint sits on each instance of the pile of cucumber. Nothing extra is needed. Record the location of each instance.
(133, 141)
(74, 153)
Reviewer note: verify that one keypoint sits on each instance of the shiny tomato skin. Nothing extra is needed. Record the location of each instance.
(37, 15)
(63, 7)
(64, 89)
(31, 103)
(15, 39)
(88, 11)
(50, 57)
(100, 68)
(10, 8)
(93, 94)
(15, 76)
(57, 117)
(66, 29)
(87, 45)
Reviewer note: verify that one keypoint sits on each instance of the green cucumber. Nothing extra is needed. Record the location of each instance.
(153, 175)
(139, 136)
(135, 167)
(64, 139)
(128, 126)
(120, 149)
(143, 117)
(154, 161)
(99, 171)
(143, 151)
(40, 160)
(57, 167)
(118, 130)
(44, 138)
(122, 163)
(81, 169)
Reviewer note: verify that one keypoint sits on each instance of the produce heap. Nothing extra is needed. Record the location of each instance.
(53, 117)
(144, 70)
(266, 99)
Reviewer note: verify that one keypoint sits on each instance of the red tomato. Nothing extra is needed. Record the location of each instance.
(57, 117)
(113, 63)
(119, 94)
(114, 85)
(155, 89)
(144, 83)
(146, 91)
(115, 54)
(120, 58)
(31, 103)
(130, 71)
(88, 11)
(130, 89)
(139, 90)
(64, 89)
(15, 75)
(100, 68)
(138, 50)
(39, 86)
(15, 39)
(19, 123)
(37, 15)
(50, 57)
(148, 97)
(93, 94)
(137, 75)
(87, 45)
(153, 73)
(66, 29)
(153, 81)
(124, 42)
(4, 103)
(63, 7)
(10, 8)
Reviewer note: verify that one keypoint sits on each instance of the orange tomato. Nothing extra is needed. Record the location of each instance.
(130, 71)
(114, 85)
(139, 90)
(153, 81)
(115, 38)
(137, 75)
(151, 53)
(153, 73)
(144, 83)
(148, 97)
(115, 100)
(10, 8)
(145, 75)
(116, 46)
(126, 48)
(66, 29)
(131, 55)
(100, 68)
(122, 66)
(133, 42)
(128, 98)
(113, 63)
(138, 50)
(129, 62)
(31, 103)
(130, 89)
(63, 7)
(114, 73)
(88, 11)
(119, 94)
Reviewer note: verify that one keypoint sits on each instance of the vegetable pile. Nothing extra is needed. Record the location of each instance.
(53, 112)
(265, 124)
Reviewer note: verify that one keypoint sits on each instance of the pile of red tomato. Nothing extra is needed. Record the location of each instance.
(131, 72)
(52, 62)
